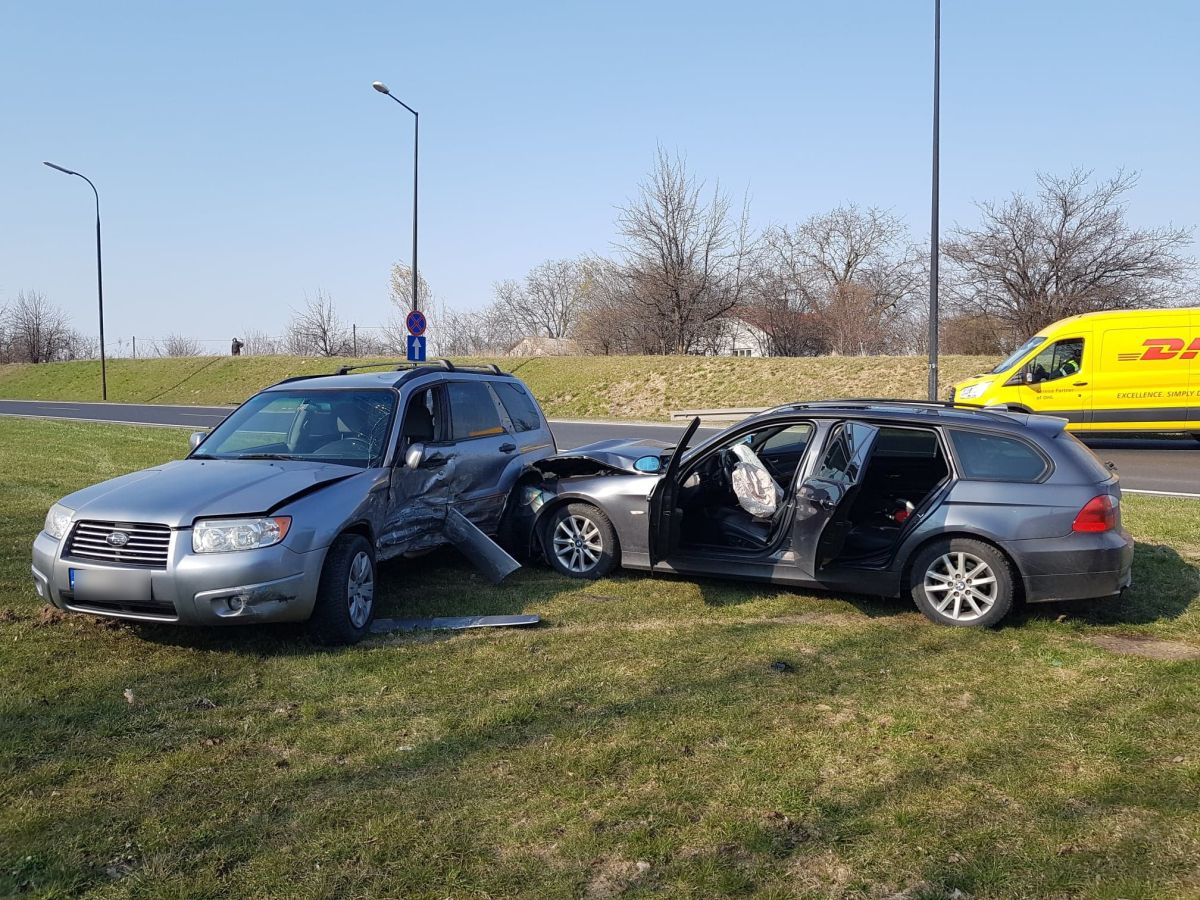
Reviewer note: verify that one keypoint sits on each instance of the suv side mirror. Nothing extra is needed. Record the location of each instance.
(195, 438)
(414, 455)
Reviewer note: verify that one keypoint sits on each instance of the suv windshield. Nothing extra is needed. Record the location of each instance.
(1016, 356)
(349, 428)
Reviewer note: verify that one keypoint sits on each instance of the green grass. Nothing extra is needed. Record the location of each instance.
(642, 723)
(646, 387)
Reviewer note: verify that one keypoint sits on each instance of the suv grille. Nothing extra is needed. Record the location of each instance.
(146, 544)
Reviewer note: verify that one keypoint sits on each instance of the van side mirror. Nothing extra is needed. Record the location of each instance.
(1027, 377)
(195, 438)
(414, 455)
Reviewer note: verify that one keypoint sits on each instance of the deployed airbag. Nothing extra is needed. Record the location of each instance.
(755, 489)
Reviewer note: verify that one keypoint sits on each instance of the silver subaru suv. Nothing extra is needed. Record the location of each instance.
(282, 512)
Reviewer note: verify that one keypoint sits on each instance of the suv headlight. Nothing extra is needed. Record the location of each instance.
(975, 390)
(219, 535)
(58, 521)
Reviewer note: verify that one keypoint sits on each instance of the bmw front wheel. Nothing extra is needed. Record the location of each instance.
(581, 542)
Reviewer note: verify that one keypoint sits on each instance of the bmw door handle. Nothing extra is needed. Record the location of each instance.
(507, 448)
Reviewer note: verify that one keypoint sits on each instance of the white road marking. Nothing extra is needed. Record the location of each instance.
(97, 421)
(1126, 490)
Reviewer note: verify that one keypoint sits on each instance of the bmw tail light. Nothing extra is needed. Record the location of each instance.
(1099, 514)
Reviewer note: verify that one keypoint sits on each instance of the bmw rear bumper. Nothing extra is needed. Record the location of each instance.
(1075, 567)
(273, 584)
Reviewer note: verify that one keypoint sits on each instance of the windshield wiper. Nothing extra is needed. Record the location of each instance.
(202, 456)
(260, 456)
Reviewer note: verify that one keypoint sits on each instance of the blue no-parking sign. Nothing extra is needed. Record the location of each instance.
(416, 323)
(416, 348)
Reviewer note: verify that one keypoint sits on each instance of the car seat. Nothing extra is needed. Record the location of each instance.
(418, 424)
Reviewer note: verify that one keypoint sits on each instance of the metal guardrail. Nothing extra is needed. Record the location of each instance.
(729, 414)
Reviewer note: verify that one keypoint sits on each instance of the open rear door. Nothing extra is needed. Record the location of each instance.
(824, 499)
(662, 501)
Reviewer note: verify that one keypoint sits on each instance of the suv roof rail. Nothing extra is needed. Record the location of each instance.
(409, 368)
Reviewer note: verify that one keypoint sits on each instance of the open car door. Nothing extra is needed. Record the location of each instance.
(663, 521)
(824, 499)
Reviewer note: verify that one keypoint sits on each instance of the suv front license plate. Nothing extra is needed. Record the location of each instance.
(101, 586)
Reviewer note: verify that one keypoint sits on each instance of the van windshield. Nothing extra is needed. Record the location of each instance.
(1016, 355)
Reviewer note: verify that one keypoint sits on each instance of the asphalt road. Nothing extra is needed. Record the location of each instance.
(1155, 465)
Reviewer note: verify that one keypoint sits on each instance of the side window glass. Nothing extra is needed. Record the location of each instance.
(473, 413)
(1060, 360)
(843, 460)
(991, 457)
(792, 439)
(421, 419)
(519, 405)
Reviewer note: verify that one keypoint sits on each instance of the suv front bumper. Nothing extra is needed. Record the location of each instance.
(273, 584)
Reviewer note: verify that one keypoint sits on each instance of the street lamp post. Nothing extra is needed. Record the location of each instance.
(99, 275)
(933, 215)
(383, 89)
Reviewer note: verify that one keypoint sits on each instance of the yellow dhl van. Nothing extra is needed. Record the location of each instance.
(1112, 371)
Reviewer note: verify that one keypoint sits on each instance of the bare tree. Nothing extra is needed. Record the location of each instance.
(685, 258)
(484, 332)
(317, 329)
(37, 330)
(550, 300)
(1065, 251)
(177, 345)
(845, 281)
(400, 289)
(259, 343)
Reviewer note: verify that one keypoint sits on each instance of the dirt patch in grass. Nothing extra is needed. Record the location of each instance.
(1148, 647)
(612, 877)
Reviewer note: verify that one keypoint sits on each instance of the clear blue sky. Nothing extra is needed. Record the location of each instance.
(243, 159)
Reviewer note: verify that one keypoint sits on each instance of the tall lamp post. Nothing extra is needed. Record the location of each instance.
(383, 89)
(933, 215)
(99, 275)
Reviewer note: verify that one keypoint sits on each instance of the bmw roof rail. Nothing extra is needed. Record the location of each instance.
(868, 402)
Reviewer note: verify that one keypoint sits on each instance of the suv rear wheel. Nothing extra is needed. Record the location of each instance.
(346, 595)
(962, 582)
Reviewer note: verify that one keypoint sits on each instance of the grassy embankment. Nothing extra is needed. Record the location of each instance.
(638, 387)
(653, 737)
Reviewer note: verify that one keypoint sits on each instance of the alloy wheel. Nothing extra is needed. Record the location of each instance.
(577, 543)
(360, 589)
(961, 586)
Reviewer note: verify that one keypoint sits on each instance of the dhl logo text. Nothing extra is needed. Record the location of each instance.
(1164, 348)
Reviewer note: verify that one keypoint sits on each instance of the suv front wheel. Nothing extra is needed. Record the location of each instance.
(346, 595)
(962, 582)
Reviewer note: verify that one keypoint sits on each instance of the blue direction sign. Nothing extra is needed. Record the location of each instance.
(416, 348)
(416, 323)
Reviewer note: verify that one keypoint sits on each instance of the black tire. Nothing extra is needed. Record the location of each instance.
(337, 617)
(968, 599)
(594, 551)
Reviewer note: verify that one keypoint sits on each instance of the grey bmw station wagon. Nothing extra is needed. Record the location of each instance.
(964, 510)
(281, 513)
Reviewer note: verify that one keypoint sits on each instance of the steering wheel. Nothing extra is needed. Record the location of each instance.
(336, 448)
(723, 475)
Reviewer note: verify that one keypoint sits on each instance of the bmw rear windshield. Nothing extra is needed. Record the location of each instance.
(344, 427)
